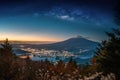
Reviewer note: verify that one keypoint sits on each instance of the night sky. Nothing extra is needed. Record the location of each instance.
(56, 20)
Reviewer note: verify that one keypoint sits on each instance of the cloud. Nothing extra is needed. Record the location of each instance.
(66, 17)
(36, 14)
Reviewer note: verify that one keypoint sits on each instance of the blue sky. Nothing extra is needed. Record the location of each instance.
(56, 20)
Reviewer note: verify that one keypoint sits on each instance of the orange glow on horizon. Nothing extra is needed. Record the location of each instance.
(29, 38)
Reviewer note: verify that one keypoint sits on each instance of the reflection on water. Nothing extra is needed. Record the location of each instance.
(79, 60)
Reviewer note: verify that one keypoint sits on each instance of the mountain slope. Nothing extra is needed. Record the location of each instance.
(72, 44)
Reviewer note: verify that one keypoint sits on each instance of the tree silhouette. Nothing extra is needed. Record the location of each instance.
(60, 67)
(71, 66)
(8, 67)
(6, 46)
(6, 49)
(108, 54)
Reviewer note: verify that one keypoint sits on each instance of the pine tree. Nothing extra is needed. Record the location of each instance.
(71, 66)
(108, 54)
(8, 67)
(7, 50)
(60, 67)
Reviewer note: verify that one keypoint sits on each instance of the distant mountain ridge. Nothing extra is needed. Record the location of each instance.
(72, 44)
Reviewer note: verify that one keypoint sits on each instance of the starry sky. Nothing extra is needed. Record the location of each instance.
(56, 20)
